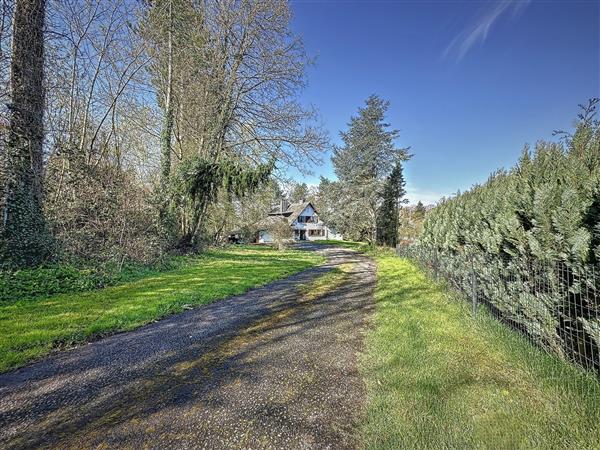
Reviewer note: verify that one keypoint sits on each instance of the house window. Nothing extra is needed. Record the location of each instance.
(316, 232)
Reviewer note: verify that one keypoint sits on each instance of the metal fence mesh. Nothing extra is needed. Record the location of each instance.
(555, 304)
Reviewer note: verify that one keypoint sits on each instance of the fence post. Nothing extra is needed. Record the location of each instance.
(473, 288)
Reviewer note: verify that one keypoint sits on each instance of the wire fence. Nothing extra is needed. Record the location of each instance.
(555, 304)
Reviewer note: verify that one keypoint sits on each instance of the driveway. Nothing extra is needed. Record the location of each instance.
(266, 369)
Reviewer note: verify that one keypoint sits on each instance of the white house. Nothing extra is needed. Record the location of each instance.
(303, 219)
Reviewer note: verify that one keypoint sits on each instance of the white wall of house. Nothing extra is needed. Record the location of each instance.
(307, 212)
(264, 237)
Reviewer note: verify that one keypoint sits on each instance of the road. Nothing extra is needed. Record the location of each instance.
(263, 370)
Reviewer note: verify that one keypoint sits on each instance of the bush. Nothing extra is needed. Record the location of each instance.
(28, 284)
(101, 214)
(543, 212)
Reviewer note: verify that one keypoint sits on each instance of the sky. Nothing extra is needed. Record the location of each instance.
(469, 82)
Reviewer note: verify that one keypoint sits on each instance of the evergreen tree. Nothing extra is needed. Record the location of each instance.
(537, 222)
(420, 210)
(362, 164)
(299, 192)
(388, 217)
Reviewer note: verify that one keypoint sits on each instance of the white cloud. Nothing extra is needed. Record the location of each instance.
(480, 28)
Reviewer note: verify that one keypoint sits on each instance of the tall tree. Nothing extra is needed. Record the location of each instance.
(389, 212)
(299, 192)
(26, 240)
(167, 130)
(362, 164)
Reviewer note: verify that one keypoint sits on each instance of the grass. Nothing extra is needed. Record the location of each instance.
(33, 328)
(439, 379)
(326, 283)
(352, 245)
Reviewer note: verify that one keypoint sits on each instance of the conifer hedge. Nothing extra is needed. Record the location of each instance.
(532, 236)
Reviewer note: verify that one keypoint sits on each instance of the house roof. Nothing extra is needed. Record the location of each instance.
(291, 211)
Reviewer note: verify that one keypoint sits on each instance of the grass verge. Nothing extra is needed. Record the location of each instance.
(439, 379)
(33, 328)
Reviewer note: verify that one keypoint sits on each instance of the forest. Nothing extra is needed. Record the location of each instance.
(134, 129)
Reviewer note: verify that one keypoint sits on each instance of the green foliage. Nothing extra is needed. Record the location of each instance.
(24, 237)
(33, 328)
(351, 204)
(524, 222)
(388, 216)
(29, 284)
(199, 181)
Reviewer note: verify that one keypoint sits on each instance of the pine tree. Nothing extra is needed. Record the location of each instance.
(389, 212)
(420, 210)
(362, 165)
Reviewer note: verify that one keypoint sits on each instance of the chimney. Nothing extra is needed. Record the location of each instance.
(281, 204)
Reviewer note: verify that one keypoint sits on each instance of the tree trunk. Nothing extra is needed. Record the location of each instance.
(26, 238)
(167, 131)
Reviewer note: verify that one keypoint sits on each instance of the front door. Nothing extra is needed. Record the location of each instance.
(302, 235)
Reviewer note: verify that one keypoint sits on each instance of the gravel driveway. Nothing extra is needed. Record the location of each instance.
(265, 369)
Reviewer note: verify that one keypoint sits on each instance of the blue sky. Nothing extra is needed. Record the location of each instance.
(469, 82)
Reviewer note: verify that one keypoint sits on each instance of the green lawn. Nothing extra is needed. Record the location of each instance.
(438, 379)
(352, 245)
(33, 328)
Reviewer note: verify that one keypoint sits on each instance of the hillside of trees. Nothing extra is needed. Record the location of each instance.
(132, 129)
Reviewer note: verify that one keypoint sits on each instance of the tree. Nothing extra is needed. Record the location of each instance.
(388, 216)
(361, 164)
(299, 192)
(236, 70)
(225, 76)
(281, 231)
(411, 222)
(25, 237)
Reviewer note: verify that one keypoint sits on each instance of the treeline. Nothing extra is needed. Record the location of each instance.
(131, 129)
(531, 233)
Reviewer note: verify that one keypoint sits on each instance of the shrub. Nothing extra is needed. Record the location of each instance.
(28, 284)
(543, 212)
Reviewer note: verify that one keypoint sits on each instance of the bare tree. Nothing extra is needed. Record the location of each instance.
(135, 93)
(281, 231)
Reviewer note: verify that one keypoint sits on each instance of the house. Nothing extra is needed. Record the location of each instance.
(304, 220)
